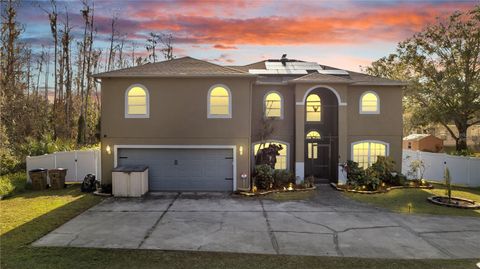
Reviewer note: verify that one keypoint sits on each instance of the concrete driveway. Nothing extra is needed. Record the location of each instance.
(327, 225)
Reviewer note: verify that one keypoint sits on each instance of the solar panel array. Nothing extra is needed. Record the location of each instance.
(294, 68)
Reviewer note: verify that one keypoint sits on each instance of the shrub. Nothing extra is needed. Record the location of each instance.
(355, 174)
(360, 178)
(12, 183)
(283, 177)
(8, 162)
(264, 176)
(384, 170)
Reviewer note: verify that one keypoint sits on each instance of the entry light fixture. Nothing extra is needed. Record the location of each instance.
(240, 150)
(108, 150)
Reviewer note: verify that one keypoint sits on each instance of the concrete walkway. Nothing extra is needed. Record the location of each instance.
(327, 225)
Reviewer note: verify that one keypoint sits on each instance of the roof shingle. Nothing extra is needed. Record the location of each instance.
(180, 67)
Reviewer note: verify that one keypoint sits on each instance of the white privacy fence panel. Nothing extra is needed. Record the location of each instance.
(463, 170)
(79, 163)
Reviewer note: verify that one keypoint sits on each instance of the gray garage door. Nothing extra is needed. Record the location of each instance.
(183, 169)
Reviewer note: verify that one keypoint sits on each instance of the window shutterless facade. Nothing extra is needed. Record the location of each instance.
(365, 153)
(369, 103)
(137, 102)
(273, 105)
(313, 108)
(219, 102)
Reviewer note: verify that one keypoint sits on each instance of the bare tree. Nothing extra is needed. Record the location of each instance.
(111, 54)
(151, 46)
(167, 46)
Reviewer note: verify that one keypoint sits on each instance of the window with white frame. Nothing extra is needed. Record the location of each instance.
(137, 102)
(282, 158)
(273, 105)
(219, 102)
(366, 152)
(313, 108)
(369, 103)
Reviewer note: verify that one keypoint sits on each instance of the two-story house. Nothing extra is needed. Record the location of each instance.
(197, 125)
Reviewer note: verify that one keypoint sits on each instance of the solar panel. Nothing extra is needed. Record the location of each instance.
(333, 72)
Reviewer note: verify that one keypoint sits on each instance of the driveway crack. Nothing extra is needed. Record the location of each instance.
(273, 239)
(434, 245)
(150, 231)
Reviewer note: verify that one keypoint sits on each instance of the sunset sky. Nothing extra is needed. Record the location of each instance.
(343, 34)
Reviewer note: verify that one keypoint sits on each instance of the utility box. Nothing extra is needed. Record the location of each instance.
(130, 180)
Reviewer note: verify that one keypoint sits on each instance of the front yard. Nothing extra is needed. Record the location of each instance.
(415, 200)
(27, 216)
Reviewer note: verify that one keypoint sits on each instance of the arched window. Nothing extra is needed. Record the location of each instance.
(314, 108)
(282, 159)
(312, 147)
(366, 152)
(273, 105)
(137, 102)
(369, 103)
(313, 135)
(219, 102)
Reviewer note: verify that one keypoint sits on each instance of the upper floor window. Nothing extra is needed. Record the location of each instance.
(314, 108)
(273, 105)
(365, 153)
(219, 102)
(369, 103)
(137, 102)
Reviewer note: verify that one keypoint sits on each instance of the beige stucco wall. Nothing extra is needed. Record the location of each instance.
(386, 126)
(178, 116)
(283, 128)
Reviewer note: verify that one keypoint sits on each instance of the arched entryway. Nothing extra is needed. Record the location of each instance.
(321, 135)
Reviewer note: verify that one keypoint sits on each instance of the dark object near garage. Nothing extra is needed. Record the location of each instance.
(89, 183)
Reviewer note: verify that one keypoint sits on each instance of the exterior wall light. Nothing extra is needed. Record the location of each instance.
(108, 150)
(240, 150)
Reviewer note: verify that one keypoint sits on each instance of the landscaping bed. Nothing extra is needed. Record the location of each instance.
(456, 202)
(382, 189)
(266, 192)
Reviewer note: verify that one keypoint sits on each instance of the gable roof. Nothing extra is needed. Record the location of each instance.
(180, 67)
(418, 137)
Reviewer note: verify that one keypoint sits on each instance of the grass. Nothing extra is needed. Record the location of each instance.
(399, 200)
(27, 216)
(12, 183)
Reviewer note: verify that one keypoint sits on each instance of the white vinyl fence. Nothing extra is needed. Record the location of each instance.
(463, 170)
(79, 163)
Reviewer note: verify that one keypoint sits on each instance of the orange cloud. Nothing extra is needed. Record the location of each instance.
(223, 47)
(392, 23)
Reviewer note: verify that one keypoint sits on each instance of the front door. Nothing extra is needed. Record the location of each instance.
(317, 161)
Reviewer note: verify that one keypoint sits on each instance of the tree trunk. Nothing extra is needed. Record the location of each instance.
(461, 141)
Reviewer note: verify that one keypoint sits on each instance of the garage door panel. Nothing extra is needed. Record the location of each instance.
(183, 169)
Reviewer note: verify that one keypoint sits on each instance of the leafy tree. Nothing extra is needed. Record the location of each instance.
(442, 66)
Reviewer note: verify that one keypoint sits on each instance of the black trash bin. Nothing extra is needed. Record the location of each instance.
(39, 178)
(57, 178)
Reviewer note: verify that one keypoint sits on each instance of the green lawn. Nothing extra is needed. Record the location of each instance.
(27, 216)
(398, 200)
